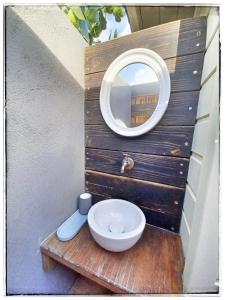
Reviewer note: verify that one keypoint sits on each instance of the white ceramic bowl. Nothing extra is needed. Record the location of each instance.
(116, 224)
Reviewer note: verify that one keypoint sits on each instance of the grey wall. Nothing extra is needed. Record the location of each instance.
(45, 140)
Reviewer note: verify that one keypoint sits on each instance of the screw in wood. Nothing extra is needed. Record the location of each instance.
(195, 72)
(181, 172)
(172, 228)
(181, 164)
(190, 107)
(176, 202)
(186, 143)
(197, 45)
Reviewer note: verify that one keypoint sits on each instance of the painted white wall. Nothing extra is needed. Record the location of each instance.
(45, 139)
(200, 220)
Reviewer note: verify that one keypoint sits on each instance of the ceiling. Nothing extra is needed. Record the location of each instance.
(142, 17)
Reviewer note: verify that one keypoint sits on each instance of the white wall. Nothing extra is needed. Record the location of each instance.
(45, 139)
(199, 224)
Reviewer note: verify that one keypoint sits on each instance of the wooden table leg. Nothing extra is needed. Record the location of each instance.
(48, 263)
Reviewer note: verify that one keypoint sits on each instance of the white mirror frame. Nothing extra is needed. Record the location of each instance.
(154, 61)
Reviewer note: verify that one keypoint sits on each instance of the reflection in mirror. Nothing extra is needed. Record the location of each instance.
(134, 95)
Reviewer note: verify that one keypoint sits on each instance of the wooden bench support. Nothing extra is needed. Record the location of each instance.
(85, 286)
(48, 263)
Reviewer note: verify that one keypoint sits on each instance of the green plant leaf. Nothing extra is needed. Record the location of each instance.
(108, 9)
(96, 30)
(64, 8)
(78, 12)
(102, 20)
(92, 15)
(72, 17)
(118, 11)
(84, 29)
(90, 21)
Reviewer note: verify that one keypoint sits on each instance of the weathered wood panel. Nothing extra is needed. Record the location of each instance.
(158, 197)
(182, 108)
(153, 217)
(85, 286)
(173, 140)
(181, 75)
(168, 40)
(181, 44)
(153, 265)
(167, 170)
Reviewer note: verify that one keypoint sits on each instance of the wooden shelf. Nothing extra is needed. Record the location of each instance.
(153, 266)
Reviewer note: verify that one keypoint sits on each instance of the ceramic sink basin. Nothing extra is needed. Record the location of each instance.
(116, 224)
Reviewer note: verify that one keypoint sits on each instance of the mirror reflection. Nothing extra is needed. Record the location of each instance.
(134, 95)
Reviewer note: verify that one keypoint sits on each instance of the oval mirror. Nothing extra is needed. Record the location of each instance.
(135, 92)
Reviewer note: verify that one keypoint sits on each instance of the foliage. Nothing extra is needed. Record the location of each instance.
(91, 20)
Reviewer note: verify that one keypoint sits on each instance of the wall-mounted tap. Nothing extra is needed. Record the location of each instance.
(127, 163)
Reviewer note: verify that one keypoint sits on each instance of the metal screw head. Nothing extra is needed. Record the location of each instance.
(186, 143)
(195, 72)
(172, 228)
(176, 202)
(181, 172)
(197, 45)
(190, 107)
(181, 164)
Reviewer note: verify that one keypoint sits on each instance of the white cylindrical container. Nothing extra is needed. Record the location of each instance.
(85, 202)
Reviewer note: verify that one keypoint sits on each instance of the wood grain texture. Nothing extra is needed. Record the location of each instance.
(161, 169)
(48, 264)
(161, 140)
(182, 108)
(153, 266)
(173, 39)
(158, 197)
(85, 286)
(157, 153)
(181, 75)
(153, 217)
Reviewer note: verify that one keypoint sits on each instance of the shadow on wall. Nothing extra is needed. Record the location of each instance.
(45, 156)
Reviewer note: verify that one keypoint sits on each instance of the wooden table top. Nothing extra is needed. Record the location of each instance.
(153, 266)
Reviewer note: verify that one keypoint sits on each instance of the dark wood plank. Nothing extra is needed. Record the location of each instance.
(162, 220)
(168, 40)
(171, 141)
(153, 266)
(181, 110)
(153, 217)
(161, 169)
(158, 197)
(181, 75)
(85, 286)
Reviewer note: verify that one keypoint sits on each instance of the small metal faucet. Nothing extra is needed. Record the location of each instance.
(127, 163)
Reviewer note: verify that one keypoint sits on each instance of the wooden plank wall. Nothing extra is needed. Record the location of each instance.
(161, 156)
